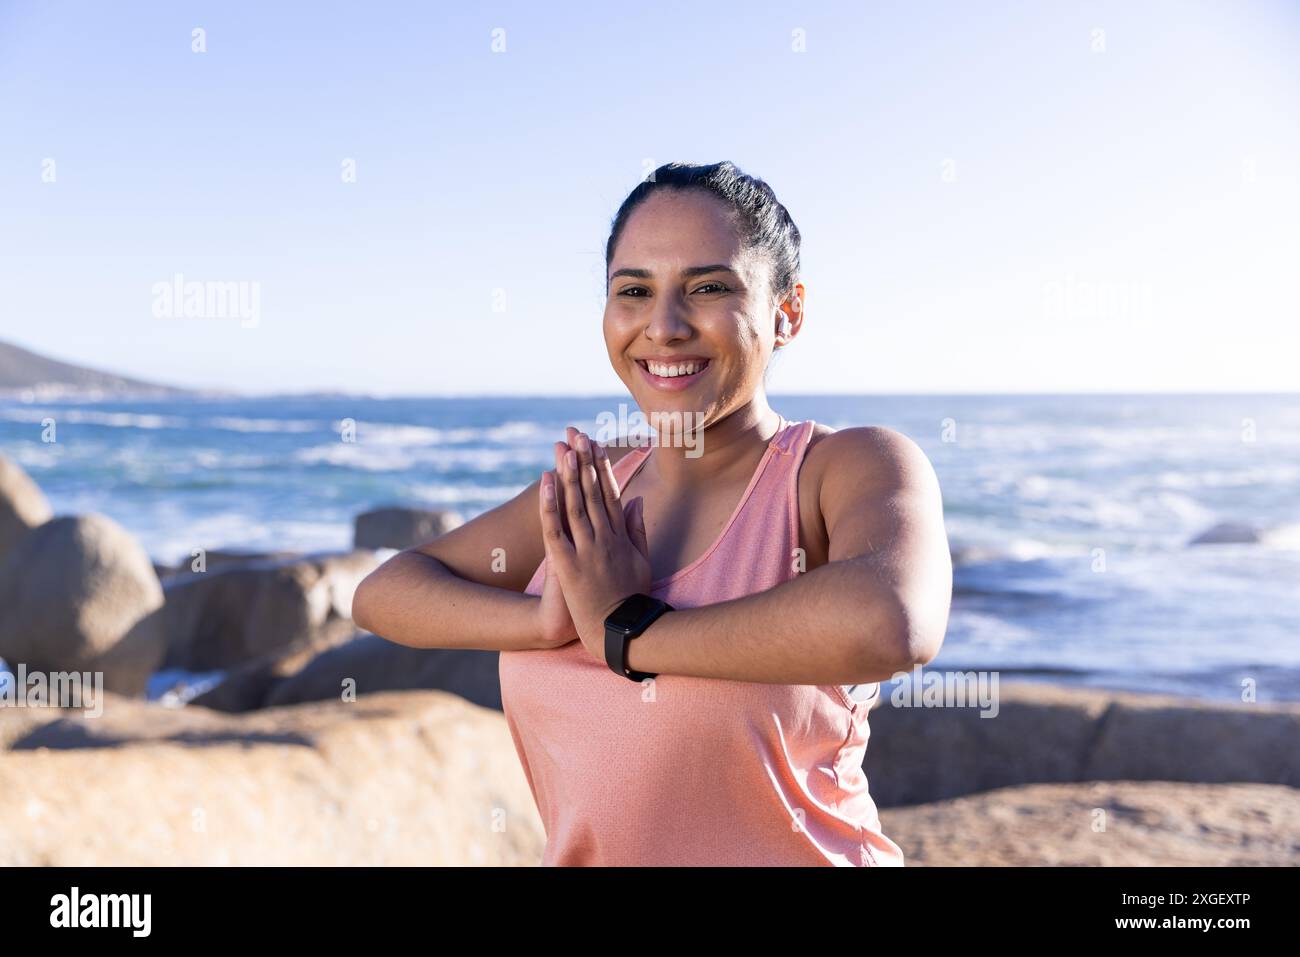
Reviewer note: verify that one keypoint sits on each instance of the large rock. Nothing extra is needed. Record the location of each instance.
(366, 664)
(1228, 533)
(1104, 824)
(397, 527)
(426, 778)
(1052, 734)
(221, 558)
(405, 778)
(80, 594)
(248, 686)
(239, 613)
(22, 505)
(371, 664)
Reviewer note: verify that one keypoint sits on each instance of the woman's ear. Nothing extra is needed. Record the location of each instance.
(787, 328)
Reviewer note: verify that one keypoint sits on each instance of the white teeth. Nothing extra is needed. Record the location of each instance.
(669, 371)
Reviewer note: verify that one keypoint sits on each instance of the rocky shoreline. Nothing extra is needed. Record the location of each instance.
(319, 744)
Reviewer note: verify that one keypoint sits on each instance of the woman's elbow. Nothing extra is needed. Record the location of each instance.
(922, 633)
(914, 633)
(362, 599)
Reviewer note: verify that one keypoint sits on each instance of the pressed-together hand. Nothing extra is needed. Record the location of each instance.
(603, 557)
(556, 622)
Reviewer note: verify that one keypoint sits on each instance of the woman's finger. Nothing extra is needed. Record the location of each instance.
(558, 546)
(560, 448)
(591, 487)
(579, 524)
(610, 492)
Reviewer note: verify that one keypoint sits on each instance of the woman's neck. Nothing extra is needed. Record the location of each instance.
(723, 450)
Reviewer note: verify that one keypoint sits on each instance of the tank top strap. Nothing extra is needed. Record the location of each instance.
(790, 446)
(791, 439)
(769, 512)
(629, 463)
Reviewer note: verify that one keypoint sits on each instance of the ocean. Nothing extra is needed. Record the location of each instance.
(1070, 516)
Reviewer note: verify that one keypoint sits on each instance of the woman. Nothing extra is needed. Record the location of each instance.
(791, 561)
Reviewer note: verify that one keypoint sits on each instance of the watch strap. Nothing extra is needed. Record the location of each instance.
(617, 640)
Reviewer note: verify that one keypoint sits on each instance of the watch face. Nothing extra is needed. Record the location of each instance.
(632, 612)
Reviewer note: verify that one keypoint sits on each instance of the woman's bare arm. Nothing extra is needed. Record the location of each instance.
(465, 588)
(877, 607)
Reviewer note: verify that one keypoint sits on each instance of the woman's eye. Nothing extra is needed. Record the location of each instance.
(717, 286)
(631, 289)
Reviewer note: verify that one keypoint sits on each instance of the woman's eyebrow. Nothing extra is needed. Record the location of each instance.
(689, 272)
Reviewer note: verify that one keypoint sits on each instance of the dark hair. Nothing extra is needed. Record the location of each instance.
(764, 223)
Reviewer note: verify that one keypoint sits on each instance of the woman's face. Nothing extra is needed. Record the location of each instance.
(681, 289)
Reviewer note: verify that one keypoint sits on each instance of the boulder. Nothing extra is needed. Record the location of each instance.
(247, 686)
(398, 527)
(426, 778)
(252, 612)
(376, 664)
(1228, 533)
(367, 664)
(80, 594)
(22, 505)
(402, 778)
(221, 558)
(1104, 824)
(1046, 733)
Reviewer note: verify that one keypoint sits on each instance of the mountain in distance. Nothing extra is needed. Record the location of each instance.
(27, 375)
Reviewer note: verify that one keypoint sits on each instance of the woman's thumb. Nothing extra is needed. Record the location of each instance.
(636, 525)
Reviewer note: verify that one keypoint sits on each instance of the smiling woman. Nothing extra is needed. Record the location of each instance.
(760, 570)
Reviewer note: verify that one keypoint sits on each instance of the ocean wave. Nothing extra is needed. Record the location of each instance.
(1013, 550)
(448, 494)
(1275, 474)
(35, 456)
(515, 431)
(401, 436)
(405, 435)
(1100, 439)
(391, 458)
(120, 420)
(239, 424)
(239, 530)
(1281, 537)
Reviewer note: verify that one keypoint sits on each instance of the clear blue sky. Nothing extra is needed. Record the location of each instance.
(993, 197)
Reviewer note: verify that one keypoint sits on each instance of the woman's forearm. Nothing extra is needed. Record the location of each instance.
(415, 600)
(835, 624)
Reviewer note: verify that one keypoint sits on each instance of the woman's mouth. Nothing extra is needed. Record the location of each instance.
(673, 376)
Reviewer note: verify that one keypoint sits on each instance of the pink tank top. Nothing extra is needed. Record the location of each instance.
(683, 770)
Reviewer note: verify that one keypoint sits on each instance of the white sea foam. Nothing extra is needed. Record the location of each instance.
(121, 420)
(239, 424)
(514, 432)
(1278, 473)
(168, 543)
(447, 494)
(1282, 537)
(405, 436)
(402, 436)
(396, 458)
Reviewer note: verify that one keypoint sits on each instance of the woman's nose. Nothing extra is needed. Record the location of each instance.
(668, 322)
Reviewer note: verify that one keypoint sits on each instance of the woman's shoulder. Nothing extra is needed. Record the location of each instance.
(875, 454)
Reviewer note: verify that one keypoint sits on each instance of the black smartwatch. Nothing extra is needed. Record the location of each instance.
(627, 621)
